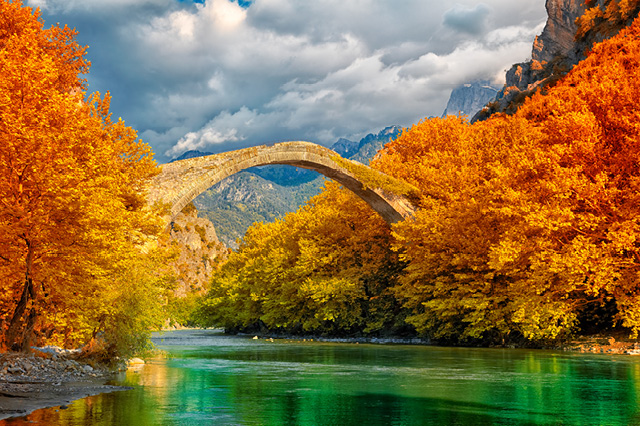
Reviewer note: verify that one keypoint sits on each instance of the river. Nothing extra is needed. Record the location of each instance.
(207, 378)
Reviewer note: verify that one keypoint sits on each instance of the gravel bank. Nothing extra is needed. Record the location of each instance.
(47, 378)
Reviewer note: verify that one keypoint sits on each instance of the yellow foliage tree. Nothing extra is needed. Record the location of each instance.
(527, 230)
(325, 268)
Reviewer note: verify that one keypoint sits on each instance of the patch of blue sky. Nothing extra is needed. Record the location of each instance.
(242, 3)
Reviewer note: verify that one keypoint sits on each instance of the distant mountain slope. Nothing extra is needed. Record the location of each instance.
(269, 192)
(244, 198)
(345, 147)
(284, 175)
(470, 98)
(369, 146)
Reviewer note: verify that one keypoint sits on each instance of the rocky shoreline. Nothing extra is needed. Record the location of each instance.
(47, 377)
(603, 345)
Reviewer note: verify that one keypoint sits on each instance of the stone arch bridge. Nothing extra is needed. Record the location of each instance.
(181, 181)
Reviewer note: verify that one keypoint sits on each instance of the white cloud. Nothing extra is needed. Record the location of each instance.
(204, 137)
(217, 76)
(512, 35)
(178, 25)
(224, 128)
(225, 15)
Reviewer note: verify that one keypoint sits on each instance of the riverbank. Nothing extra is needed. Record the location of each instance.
(312, 338)
(617, 344)
(30, 381)
(603, 344)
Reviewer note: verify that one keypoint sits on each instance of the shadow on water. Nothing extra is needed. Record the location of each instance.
(368, 409)
(365, 409)
(385, 409)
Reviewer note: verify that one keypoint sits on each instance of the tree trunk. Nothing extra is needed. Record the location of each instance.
(27, 335)
(19, 337)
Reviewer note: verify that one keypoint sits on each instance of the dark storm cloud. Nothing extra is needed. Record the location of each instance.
(468, 20)
(221, 75)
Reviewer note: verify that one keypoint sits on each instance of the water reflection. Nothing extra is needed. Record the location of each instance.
(222, 380)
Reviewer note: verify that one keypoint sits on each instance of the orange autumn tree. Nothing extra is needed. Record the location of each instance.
(604, 19)
(592, 122)
(527, 231)
(528, 227)
(72, 205)
(449, 283)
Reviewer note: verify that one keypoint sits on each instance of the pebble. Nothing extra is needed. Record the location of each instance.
(136, 361)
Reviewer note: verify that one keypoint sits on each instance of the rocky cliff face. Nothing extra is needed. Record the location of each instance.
(558, 36)
(198, 250)
(469, 98)
(555, 47)
(554, 53)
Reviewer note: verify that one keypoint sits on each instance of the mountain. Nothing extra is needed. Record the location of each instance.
(284, 175)
(265, 193)
(470, 98)
(345, 147)
(369, 146)
(235, 203)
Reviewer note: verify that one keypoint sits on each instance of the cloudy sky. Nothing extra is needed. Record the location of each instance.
(217, 75)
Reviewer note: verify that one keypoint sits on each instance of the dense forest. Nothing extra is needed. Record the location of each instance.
(527, 231)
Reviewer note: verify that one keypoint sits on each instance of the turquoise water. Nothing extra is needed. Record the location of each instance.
(212, 379)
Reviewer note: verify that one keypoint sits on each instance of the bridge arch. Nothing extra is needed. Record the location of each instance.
(182, 181)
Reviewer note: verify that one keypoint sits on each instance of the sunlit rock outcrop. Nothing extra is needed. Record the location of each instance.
(198, 250)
